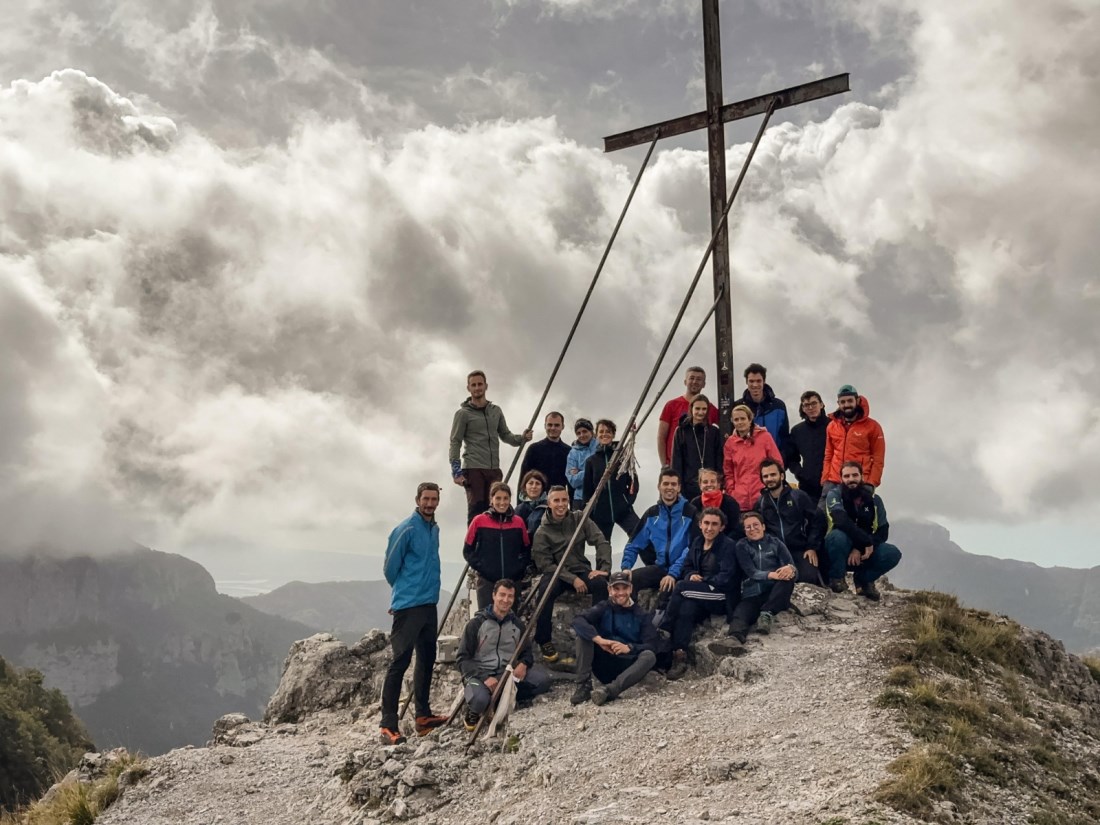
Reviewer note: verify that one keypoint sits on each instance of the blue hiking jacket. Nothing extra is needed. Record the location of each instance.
(578, 455)
(411, 565)
(669, 530)
(630, 625)
(759, 558)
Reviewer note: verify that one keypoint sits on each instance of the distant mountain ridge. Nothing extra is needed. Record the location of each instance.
(1062, 601)
(141, 643)
(347, 609)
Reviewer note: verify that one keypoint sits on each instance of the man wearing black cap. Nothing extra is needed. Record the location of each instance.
(616, 641)
(579, 453)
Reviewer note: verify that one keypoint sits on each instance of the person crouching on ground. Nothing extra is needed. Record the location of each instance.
(488, 644)
(616, 642)
(770, 575)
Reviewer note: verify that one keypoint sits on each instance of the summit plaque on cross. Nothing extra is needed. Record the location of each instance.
(713, 119)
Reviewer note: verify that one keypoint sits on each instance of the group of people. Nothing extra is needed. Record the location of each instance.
(728, 536)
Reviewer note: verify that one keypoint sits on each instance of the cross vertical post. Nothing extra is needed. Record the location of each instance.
(716, 151)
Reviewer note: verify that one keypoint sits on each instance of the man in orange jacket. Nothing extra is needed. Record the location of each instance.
(852, 435)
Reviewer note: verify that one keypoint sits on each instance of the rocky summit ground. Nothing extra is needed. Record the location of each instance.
(788, 733)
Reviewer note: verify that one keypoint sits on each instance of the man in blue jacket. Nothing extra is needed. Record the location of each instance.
(411, 567)
(664, 534)
(616, 642)
(770, 412)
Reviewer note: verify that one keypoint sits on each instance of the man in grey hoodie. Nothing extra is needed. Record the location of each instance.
(476, 432)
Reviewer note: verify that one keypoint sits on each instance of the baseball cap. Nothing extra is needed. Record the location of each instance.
(619, 577)
(847, 389)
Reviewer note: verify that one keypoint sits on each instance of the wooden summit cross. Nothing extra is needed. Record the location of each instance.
(714, 120)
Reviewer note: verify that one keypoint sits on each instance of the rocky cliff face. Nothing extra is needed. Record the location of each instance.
(141, 643)
(1062, 601)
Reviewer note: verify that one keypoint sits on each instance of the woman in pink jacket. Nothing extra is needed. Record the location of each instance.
(747, 446)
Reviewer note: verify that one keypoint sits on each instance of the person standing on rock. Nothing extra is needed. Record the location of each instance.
(615, 504)
(662, 540)
(747, 446)
(550, 543)
(858, 533)
(497, 544)
(616, 642)
(476, 432)
(696, 444)
(411, 567)
(710, 587)
(579, 454)
(806, 450)
(489, 642)
(793, 517)
(768, 411)
(549, 455)
(695, 379)
(770, 574)
(852, 435)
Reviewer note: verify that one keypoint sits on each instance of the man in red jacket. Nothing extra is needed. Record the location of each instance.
(852, 435)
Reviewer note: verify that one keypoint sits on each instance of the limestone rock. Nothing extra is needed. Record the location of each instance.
(322, 673)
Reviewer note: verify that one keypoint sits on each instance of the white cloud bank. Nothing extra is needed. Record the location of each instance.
(205, 346)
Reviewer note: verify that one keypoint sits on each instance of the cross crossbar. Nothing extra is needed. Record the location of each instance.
(803, 93)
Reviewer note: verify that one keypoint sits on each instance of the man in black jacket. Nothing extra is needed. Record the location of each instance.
(806, 451)
(710, 586)
(549, 455)
(792, 516)
(857, 539)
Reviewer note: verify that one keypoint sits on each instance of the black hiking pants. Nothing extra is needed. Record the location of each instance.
(414, 629)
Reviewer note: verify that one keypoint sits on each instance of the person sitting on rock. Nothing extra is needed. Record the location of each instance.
(770, 574)
(577, 573)
(532, 500)
(710, 586)
(711, 494)
(793, 517)
(857, 536)
(488, 644)
(616, 642)
(662, 538)
(497, 544)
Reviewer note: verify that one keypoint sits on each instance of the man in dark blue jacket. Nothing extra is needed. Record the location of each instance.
(793, 517)
(411, 567)
(665, 531)
(616, 641)
(857, 538)
(710, 586)
(770, 412)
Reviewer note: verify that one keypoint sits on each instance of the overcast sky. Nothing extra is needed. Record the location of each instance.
(249, 251)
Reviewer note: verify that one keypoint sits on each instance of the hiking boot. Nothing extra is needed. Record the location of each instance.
(582, 694)
(838, 585)
(549, 652)
(600, 696)
(764, 623)
(426, 724)
(471, 719)
(869, 591)
(679, 666)
(739, 635)
(390, 736)
(727, 647)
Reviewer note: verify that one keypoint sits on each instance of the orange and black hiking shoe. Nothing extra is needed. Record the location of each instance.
(390, 736)
(426, 724)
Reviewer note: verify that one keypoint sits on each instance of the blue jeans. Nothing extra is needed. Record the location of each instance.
(883, 559)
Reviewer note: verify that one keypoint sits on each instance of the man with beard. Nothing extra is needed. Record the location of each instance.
(411, 568)
(793, 517)
(857, 538)
(852, 435)
(768, 411)
(806, 453)
(477, 430)
(558, 526)
(616, 642)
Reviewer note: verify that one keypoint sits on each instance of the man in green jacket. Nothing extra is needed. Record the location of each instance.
(476, 432)
(551, 541)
